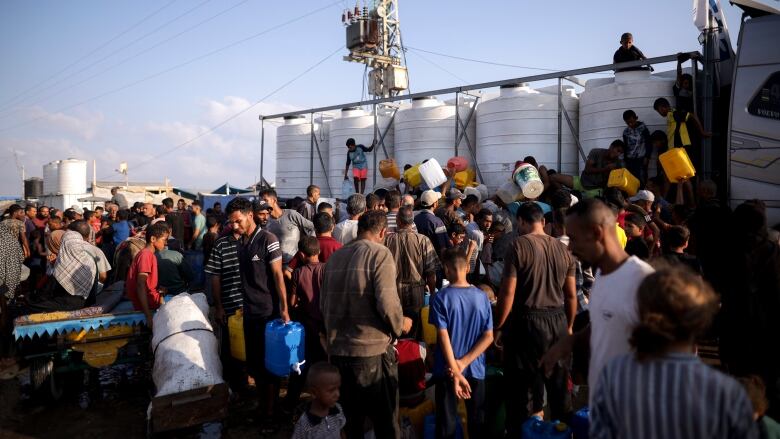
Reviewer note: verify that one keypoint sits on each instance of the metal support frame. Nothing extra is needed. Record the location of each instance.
(460, 128)
(560, 116)
(483, 85)
(315, 144)
(710, 44)
(464, 132)
(262, 148)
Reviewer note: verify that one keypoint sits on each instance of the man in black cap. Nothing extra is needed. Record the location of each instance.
(449, 212)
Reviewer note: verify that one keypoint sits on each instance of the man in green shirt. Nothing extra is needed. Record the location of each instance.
(174, 272)
(198, 225)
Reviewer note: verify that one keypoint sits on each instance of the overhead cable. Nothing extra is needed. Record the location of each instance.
(236, 115)
(88, 54)
(175, 67)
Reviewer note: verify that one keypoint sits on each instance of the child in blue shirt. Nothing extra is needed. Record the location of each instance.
(121, 227)
(356, 156)
(464, 321)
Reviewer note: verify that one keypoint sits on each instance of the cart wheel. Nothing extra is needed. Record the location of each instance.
(43, 379)
(56, 388)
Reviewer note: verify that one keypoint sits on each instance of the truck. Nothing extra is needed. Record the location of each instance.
(754, 114)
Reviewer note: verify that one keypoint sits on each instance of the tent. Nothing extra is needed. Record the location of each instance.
(227, 189)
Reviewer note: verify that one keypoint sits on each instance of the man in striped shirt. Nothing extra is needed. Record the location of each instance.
(225, 277)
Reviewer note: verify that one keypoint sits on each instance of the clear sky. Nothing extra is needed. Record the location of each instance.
(127, 80)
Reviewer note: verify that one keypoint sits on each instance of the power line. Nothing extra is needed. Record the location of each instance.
(90, 53)
(175, 67)
(152, 32)
(234, 116)
(440, 67)
(479, 60)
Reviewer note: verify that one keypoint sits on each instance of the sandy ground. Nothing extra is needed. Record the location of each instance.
(122, 414)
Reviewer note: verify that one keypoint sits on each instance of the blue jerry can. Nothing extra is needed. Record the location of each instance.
(580, 423)
(536, 428)
(284, 347)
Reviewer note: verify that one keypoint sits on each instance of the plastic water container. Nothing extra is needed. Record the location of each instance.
(432, 173)
(509, 192)
(464, 178)
(473, 191)
(429, 331)
(389, 169)
(483, 191)
(459, 163)
(536, 428)
(623, 180)
(236, 333)
(284, 347)
(195, 260)
(580, 423)
(412, 176)
(495, 408)
(527, 178)
(417, 415)
(677, 165)
(347, 189)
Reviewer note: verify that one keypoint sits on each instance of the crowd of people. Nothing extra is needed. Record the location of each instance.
(584, 289)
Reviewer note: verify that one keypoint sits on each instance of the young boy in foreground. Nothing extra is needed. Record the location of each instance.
(323, 417)
(464, 321)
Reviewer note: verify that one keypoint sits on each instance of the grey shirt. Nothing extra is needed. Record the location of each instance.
(289, 228)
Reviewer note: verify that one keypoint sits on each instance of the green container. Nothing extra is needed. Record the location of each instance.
(495, 408)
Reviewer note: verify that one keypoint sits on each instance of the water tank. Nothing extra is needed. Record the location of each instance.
(72, 176)
(293, 158)
(426, 129)
(356, 123)
(604, 100)
(33, 188)
(520, 122)
(51, 184)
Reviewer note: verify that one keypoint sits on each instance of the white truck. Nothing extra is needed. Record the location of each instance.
(754, 119)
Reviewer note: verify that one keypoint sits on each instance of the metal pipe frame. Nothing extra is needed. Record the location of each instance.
(464, 133)
(560, 116)
(483, 85)
(316, 144)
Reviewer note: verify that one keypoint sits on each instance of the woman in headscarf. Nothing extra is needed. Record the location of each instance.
(78, 268)
(11, 263)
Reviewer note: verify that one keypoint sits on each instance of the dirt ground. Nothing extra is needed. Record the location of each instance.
(122, 415)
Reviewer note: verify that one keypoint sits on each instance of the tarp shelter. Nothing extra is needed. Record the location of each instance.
(184, 193)
(227, 189)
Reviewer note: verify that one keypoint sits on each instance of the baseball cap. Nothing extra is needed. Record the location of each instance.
(260, 205)
(77, 209)
(455, 193)
(429, 198)
(643, 195)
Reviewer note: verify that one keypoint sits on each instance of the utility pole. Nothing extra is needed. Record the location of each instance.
(374, 39)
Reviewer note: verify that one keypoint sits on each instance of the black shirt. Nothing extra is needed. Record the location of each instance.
(689, 261)
(627, 55)
(638, 247)
(255, 257)
(176, 221)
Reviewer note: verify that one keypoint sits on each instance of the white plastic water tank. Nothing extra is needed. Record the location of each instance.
(358, 124)
(293, 158)
(51, 182)
(604, 100)
(72, 176)
(426, 129)
(520, 122)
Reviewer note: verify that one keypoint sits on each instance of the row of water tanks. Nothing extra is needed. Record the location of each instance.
(518, 122)
(65, 177)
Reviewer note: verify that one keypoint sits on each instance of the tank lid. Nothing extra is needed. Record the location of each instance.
(351, 108)
(295, 116)
(515, 85)
(34, 179)
(423, 98)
